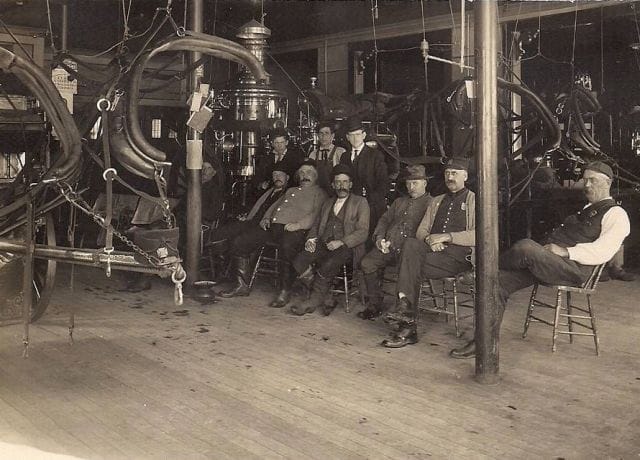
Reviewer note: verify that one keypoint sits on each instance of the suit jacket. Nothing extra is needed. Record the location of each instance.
(370, 173)
(290, 163)
(356, 223)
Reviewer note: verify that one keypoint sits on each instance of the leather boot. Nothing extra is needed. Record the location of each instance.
(403, 312)
(319, 291)
(407, 335)
(287, 275)
(466, 351)
(373, 300)
(241, 267)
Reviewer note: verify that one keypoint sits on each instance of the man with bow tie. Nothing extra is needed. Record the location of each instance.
(370, 173)
(585, 239)
(327, 155)
(442, 247)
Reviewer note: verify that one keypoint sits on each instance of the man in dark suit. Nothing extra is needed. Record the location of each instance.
(339, 232)
(370, 174)
(281, 156)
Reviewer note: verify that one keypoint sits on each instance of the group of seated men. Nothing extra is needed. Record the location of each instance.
(426, 237)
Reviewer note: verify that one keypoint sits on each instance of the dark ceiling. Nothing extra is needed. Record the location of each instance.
(96, 24)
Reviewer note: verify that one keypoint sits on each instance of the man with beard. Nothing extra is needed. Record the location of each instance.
(442, 247)
(338, 234)
(394, 227)
(220, 237)
(285, 223)
(370, 173)
(585, 239)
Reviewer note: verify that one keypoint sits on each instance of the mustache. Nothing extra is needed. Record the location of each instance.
(305, 179)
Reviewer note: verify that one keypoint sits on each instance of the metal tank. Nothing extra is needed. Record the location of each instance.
(252, 109)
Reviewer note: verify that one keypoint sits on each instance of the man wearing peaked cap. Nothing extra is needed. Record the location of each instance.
(442, 247)
(338, 234)
(370, 172)
(588, 238)
(397, 224)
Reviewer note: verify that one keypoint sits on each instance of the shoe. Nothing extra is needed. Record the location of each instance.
(301, 310)
(369, 313)
(464, 352)
(329, 306)
(241, 289)
(402, 312)
(604, 276)
(282, 300)
(407, 336)
(619, 273)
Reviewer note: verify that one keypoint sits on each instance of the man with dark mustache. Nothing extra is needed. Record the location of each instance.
(286, 223)
(585, 239)
(339, 233)
(442, 247)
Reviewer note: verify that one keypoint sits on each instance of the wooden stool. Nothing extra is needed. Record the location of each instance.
(572, 319)
(450, 298)
(347, 285)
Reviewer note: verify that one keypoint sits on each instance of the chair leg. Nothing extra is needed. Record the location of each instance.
(569, 317)
(255, 268)
(434, 299)
(596, 340)
(454, 288)
(532, 302)
(557, 319)
(346, 288)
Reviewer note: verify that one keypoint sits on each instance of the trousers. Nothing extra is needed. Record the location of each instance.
(328, 262)
(527, 263)
(418, 262)
(250, 241)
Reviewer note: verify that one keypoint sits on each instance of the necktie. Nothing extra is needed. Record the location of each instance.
(323, 154)
(354, 156)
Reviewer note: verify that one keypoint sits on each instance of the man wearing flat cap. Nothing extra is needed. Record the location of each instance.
(442, 247)
(338, 234)
(370, 173)
(585, 239)
(397, 224)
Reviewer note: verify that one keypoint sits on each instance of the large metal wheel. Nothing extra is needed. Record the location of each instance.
(44, 271)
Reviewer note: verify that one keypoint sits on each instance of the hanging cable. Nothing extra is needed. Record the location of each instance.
(424, 47)
(573, 47)
(53, 44)
(513, 34)
(601, 51)
(374, 14)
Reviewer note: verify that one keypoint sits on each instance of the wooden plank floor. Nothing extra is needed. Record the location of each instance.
(147, 379)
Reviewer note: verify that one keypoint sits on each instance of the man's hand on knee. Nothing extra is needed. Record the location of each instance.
(557, 250)
(335, 244)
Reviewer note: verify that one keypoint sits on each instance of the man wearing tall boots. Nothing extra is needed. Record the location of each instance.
(220, 239)
(338, 234)
(397, 224)
(285, 223)
(370, 173)
(442, 247)
(585, 239)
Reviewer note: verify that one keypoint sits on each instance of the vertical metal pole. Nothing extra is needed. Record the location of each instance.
(65, 27)
(194, 162)
(27, 278)
(487, 331)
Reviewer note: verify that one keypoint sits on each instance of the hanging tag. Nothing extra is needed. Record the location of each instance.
(200, 119)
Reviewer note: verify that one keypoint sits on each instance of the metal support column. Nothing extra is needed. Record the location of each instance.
(194, 162)
(27, 278)
(486, 58)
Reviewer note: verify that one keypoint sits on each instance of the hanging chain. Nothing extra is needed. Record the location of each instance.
(78, 202)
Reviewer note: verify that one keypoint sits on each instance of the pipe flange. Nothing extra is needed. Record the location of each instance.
(109, 170)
